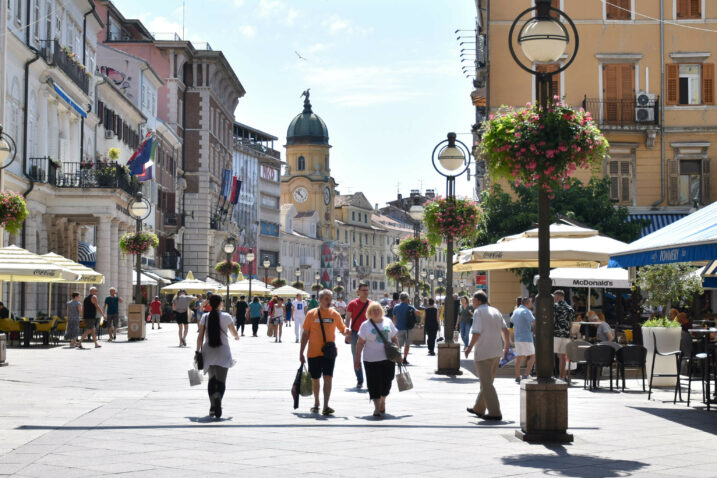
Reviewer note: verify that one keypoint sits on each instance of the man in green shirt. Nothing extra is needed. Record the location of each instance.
(313, 303)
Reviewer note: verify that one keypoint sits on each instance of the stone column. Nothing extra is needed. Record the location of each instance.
(124, 283)
(53, 130)
(114, 256)
(31, 296)
(104, 264)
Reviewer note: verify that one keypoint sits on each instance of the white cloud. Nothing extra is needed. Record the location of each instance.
(238, 3)
(291, 16)
(316, 48)
(336, 24)
(270, 7)
(248, 31)
(162, 27)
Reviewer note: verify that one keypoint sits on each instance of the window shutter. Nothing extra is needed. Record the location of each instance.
(708, 83)
(673, 91)
(673, 182)
(683, 8)
(695, 9)
(610, 93)
(625, 189)
(171, 200)
(706, 182)
(614, 188)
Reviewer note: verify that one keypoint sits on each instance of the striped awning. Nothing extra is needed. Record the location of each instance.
(86, 254)
(65, 96)
(657, 221)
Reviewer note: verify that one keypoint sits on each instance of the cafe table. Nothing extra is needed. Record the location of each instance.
(705, 334)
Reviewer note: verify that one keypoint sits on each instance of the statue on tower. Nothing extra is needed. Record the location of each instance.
(307, 104)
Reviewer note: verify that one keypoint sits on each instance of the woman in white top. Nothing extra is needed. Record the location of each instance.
(277, 318)
(379, 370)
(214, 347)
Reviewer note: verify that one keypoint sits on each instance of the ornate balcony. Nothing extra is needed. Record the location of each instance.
(82, 175)
(641, 112)
(68, 62)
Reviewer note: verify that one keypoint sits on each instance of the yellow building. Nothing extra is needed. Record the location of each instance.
(649, 83)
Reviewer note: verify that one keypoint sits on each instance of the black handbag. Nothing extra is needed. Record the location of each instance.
(393, 353)
(329, 348)
(199, 360)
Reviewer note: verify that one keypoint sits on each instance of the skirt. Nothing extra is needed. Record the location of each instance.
(73, 328)
(379, 377)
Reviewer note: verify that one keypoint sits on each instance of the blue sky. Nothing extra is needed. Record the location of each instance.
(384, 75)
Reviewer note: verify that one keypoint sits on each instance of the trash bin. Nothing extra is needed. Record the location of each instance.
(3, 350)
(136, 323)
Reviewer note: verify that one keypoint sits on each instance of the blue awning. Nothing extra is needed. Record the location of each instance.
(657, 221)
(692, 238)
(69, 100)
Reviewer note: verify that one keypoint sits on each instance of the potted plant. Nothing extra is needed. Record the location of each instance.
(106, 174)
(13, 211)
(297, 285)
(113, 154)
(278, 283)
(227, 268)
(138, 243)
(415, 248)
(662, 287)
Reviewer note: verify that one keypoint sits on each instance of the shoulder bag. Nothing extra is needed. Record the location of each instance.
(329, 348)
(393, 353)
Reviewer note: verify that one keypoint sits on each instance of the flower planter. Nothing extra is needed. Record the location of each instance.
(668, 339)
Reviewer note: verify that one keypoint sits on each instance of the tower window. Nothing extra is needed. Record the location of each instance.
(301, 164)
(326, 163)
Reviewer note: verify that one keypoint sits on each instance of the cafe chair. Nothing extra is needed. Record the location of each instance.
(597, 357)
(673, 353)
(692, 356)
(575, 354)
(631, 356)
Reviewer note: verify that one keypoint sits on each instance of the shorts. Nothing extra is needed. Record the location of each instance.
(277, 320)
(560, 345)
(156, 317)
(113, 320)
(90, 323)
(180, 317)
(319, 366)
(524, 349)
(404, 337)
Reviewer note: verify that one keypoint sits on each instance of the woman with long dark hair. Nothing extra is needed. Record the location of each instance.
(216, 354)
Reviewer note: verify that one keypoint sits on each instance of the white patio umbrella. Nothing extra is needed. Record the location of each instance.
(144, 279)
(602, 277)
(242, 287)
(570, 246)
(190, 284)
(87, 275)
(288, 291)
(20, 265)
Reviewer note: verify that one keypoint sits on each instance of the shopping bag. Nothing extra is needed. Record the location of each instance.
(507, 359)
(295, 387)
(270, 328)
(307, 387)
(403, 379)
(456, 337)
(195, 378)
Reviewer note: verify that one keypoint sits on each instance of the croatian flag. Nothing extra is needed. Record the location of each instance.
(141, 162)
(236, 189)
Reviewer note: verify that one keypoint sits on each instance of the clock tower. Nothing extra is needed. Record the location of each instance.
(307, 182)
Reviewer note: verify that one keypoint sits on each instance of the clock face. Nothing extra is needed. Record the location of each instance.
(327, 196)
(301, 195)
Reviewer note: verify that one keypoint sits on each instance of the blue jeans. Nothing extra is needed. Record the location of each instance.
(465, 333)
(354, 341)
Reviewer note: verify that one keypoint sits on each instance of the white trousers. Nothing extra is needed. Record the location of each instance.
(298, 327)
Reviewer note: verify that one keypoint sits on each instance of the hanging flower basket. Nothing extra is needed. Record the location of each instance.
(278, 283)
(424, 287)
(297, 285)
(415, 248)
(133, 243)
(317, 287)
(395, 271)
(440, 290)
(540, 147)
(227, 268)
(451, 218)
(339, 289)
(13, 211)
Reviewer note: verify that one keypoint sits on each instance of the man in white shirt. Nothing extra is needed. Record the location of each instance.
(488, 326)
(340, 307)
(299, 314)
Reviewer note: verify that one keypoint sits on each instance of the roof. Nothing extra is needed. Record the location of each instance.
(257, 134)
(340, 200)
(307, 127)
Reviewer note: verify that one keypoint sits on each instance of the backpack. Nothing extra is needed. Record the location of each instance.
(411, 318)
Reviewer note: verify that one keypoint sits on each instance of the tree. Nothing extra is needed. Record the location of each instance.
(666, 285)
(589, 204)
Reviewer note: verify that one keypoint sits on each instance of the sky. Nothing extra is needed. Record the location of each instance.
(385, 76)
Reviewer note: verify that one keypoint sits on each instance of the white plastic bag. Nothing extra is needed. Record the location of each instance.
(195, 378)
(456, 337)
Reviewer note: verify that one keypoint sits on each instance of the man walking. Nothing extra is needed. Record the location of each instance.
(155, 310)
(112, 310)
(523, 320)
(255, 311)
(299, 315)
(401, 318)
(181, 307)
(488, 326)
(313, 303)
(320, 329)
(90, 308)
(431, 324)
(564, 316)
(240, 309)
(355, 316)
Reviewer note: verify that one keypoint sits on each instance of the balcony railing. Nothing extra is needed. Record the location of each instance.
(82, 175)
(54, 54)
(171, 219)
(642, 111)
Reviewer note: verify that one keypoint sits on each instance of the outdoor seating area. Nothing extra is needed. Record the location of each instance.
(44, 331)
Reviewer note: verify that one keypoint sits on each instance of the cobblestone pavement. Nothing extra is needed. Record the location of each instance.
(127, 409)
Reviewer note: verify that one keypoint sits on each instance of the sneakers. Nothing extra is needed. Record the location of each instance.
(517, 380)
(217, 404)
(405, 362)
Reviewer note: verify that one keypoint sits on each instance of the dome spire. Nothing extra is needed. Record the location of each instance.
(307, 103)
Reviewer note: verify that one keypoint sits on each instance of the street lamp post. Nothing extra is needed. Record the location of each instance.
(266, 264)
(279, 270)
(432, 277)
(544, 403)
(250, 259)
(317, 276)
(424, 274)
(139, 208)
(417, 212)
(297, 273)
(229, 247)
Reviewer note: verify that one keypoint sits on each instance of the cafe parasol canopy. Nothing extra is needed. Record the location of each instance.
(570, 246)
(257, 288)
(290, 292)
(190, 285)
(86, 275)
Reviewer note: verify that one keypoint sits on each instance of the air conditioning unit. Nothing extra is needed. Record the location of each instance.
(109, 134)
(645, 107)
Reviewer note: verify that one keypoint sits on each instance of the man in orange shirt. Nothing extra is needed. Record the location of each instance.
(313, 335)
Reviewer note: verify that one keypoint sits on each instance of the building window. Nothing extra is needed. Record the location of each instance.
(618, 10)
(326, 163)
(361, 259)
(554, 79)
(620, 173)
(690, 84)
(375, 285)
(18, 11)
(353, 216)
(618, 93)
(374, 262)
(301, 164)
(383, 285)
(36, 20)
(687, 9)
(346, 236)
(690, 186)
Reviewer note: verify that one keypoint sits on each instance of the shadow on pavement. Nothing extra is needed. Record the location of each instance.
(578, 466)
(453, 379)
(208, 419)
(386, 416)
(689, 417)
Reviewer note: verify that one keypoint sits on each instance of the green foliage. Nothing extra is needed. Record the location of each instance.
(414, 248)
(227, 268)
(13, 211)
(133, 243)
(450, 218)
(278, 283)
(297, 285)
(440, 290)
(668, 284)
(395, 270)
(661, 322)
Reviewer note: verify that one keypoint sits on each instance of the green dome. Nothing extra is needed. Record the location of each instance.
(307, 127)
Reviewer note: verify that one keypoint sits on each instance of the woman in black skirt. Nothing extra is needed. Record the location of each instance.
(379, 370)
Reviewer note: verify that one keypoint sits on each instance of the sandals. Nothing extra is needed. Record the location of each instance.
(377, 414)
(98, 346)
(314, 409)
(328, 411)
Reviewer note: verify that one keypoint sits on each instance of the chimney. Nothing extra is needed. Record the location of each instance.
(399, 196)
(376, 207)
(430, 193)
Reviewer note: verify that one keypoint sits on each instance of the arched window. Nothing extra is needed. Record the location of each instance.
(326, 164)
(301, 164)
